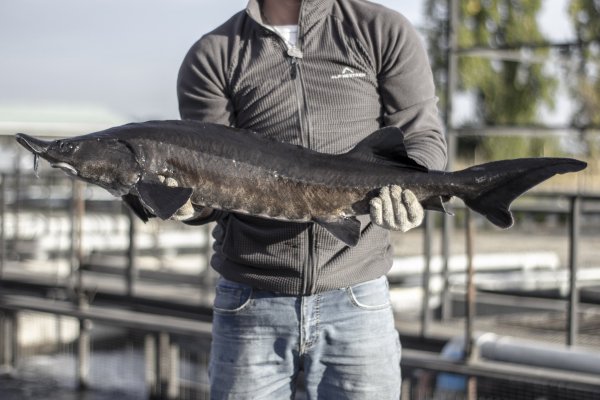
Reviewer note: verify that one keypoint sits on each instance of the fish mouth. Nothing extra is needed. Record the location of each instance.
(68, 168)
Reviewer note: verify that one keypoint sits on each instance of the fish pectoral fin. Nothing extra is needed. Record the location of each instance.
(345, 229)
(135, 205)
(163, 201)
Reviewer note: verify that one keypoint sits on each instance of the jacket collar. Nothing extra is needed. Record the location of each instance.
(311, 12)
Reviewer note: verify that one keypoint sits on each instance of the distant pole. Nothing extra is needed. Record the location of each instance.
(84, 348)
(2, 224)
(131, 269)
(574, 228)
(77, 211)
(16, 208)
(425, 313)
(451, 83)
(470, 303)
(470, 314)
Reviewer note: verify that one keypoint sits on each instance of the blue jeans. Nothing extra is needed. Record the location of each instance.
(344, 340)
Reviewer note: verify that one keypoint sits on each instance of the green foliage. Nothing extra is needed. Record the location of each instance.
(585, 15)
(509, 90)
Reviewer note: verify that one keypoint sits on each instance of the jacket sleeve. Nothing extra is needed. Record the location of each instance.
(202, 82)
(407, 91)
(202, 95)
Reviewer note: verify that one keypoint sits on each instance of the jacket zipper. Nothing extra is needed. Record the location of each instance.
(296, 75)
(295, 54)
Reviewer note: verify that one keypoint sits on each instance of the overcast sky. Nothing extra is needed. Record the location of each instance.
(123, 55)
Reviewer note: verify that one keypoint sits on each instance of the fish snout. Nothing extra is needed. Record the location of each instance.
(34, 145)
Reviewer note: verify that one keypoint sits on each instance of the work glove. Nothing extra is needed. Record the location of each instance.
(396, 209)
(187, 211)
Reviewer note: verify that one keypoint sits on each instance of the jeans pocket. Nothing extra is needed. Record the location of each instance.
(371, 295)
(231, 297)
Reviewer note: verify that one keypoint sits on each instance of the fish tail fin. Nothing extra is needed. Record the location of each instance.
(495, 185)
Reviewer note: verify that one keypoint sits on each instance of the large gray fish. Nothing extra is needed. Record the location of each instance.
(239, 171)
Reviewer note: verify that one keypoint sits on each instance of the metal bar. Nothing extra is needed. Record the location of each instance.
(173, 381)
(131, 269)
(427, 239)
(84, 354)
(574, 228)
(510, 55)
(108, 315)
(447, 229)
(15, 339)
(150, 360)
(9, 338)
(501, 370)
(164, 362)
(451, 61)
(16, 206)
(6, 340)
(451, 77)
(520, 130)
(531, 45)
(451, 84)
(76, 256)
(470, 303)
(470, 293)
(447, 234)
(2, 224)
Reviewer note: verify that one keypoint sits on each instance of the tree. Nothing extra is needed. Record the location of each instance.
(509, 89)
(585, 15)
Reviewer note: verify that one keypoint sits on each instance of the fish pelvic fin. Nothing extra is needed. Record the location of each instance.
(385, 146)
(501, 182)
(345, 229)
(436, 203)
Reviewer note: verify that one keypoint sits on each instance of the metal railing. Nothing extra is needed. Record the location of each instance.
(124, 309)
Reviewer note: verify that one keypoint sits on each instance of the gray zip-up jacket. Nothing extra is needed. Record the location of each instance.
(358, 66)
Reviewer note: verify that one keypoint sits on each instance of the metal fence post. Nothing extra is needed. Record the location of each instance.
(453, 10)
(470, 302)
(77, 212)
(574, 227)
(445, 301)
(151, 365)
(2, 224)
(84, 352)
(164, 363)
(131, 270)
(425, 313)
(173, 383)
(9, 340)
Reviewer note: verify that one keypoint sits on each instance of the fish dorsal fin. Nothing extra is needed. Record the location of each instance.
(345, 229)
(162, 200)
(385, 146)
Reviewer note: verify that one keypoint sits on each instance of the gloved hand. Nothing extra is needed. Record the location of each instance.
(396, 209)
(187, 211)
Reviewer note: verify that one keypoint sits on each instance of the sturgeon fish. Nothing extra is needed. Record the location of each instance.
(240, 171)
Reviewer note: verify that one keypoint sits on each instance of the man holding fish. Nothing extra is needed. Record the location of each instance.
(322, 74)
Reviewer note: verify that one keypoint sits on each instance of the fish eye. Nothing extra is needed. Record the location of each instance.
(66, 146)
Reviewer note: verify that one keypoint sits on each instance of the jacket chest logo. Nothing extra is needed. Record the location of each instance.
(348, 73)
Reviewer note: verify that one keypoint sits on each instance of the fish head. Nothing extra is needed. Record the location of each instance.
(104, 161)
